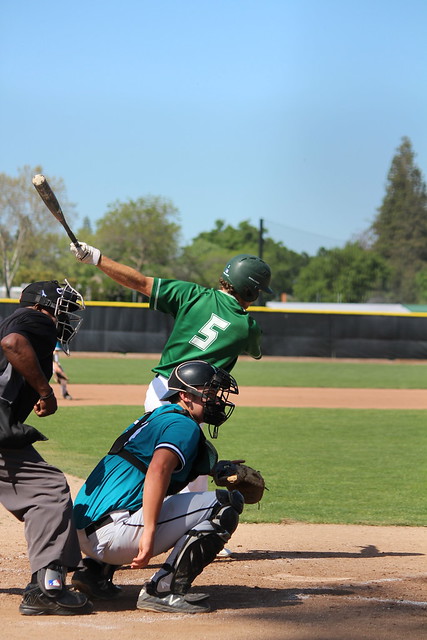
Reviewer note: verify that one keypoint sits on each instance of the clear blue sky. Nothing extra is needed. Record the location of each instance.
(289, 111)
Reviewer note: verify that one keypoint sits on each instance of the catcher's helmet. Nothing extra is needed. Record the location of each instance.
(208, 382)
(62, 301)
(248, 275)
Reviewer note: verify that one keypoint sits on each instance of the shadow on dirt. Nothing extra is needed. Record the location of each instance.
(13, 591)
(369, 551)
(229, 597)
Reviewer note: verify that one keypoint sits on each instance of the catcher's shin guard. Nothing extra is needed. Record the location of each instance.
(199, 546)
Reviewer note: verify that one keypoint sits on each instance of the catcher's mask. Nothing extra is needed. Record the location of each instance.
(62, 301)
(208, 382)
(248, 275)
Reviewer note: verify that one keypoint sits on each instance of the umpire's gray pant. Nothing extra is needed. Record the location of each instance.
(38, 495)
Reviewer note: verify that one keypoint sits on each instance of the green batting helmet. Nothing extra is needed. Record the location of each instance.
(248, 275)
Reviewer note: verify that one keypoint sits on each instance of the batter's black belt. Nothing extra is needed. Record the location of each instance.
(94, 526)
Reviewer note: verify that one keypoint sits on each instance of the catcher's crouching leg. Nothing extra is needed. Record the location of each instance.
(199, 547)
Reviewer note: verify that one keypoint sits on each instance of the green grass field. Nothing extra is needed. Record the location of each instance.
(320, 465)
(334, 373)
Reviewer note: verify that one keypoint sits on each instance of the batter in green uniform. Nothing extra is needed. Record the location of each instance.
(210, 324)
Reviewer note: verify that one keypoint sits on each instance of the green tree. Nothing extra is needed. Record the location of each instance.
(141, 233)
(89, 281)
(350, 274)
(202, 262)
(421, 285)
(400, 227)
(45, 260)
(224, 241)
(241, 239)
(24, 222)
(285, 266)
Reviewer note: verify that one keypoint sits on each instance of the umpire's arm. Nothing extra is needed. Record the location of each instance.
(23, 359)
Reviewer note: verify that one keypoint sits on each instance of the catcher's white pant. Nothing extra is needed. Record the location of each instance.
(117, 542)
(157, 387)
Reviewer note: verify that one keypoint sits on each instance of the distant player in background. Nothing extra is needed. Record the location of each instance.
(59, 374)
(210, 324)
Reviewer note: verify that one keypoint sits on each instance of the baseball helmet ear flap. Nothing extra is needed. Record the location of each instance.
(248, 275)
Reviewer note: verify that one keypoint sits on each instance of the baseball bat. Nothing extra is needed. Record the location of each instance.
(49, 198)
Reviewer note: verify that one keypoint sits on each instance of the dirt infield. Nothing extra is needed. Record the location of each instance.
(98, 394)
(287, 581)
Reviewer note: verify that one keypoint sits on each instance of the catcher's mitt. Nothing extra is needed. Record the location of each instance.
(238, 476)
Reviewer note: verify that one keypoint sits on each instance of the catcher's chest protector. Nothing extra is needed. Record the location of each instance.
(206, 458)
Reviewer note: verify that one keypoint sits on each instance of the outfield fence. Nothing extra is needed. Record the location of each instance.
(134, 328)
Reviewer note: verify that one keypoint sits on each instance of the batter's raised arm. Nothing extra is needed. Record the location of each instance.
(120, 273)
(126, 276)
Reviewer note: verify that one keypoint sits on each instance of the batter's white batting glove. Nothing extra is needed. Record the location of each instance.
(85, 253)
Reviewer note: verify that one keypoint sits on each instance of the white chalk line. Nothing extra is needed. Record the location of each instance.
(348, 584)
(399, 579)
(396, 601)
(414, 603)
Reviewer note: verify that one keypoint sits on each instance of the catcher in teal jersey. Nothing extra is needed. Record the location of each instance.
(210, 324)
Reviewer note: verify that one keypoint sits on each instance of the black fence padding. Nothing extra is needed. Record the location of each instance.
(137, 329)
(341, 335)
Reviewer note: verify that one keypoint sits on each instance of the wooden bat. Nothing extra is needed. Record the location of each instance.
(49, 198)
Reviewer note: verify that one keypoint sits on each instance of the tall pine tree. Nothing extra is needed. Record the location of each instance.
(400, 226)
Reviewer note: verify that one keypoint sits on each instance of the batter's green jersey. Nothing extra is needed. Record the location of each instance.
(209, 325)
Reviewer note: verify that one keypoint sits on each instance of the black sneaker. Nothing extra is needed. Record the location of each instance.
(66, 603)
(95, 580)
(170, 603)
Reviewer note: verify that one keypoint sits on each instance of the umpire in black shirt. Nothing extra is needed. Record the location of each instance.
(32, 490)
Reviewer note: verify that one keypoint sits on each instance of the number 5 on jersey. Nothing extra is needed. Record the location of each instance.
(209, 331)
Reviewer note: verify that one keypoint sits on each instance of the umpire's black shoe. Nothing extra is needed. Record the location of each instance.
(95, 580)
(149, 600)
(65, 603)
